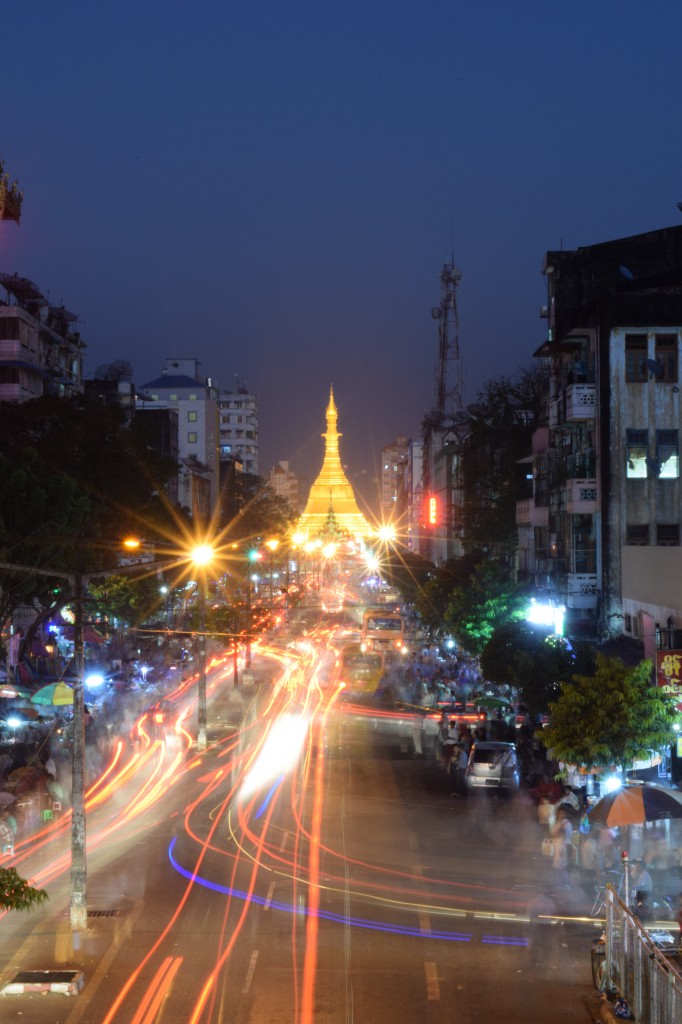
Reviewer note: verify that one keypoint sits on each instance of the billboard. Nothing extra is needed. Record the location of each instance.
(669, 673)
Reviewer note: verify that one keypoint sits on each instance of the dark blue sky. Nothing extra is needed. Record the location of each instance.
(272, 188)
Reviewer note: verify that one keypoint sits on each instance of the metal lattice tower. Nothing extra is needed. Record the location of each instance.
(448, 385)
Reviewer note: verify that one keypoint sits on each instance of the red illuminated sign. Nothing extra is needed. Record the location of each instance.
(433, 510)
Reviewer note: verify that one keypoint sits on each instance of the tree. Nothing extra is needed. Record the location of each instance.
(18, 894)
(613, 717)
(497, 434)
(533, 661)
(261, 511)
(487, 599)
(73, 478)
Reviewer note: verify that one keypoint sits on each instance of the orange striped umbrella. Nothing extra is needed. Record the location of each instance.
(635, 805)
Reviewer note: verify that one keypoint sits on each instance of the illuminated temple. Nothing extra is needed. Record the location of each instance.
(331, 502)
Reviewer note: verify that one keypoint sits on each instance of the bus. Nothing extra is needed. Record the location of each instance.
(382, 630)
(360, 671)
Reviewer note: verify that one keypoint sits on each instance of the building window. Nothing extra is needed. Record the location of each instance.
(173, 398)
(636, 451)
(667, 534)
(192, 437)
(637, 534)
(192, 417)
(192, 398)
(666, 358)
(668, 454)
(635, 358)
(627, 623)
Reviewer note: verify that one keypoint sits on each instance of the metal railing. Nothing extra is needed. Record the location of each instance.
(638, 968)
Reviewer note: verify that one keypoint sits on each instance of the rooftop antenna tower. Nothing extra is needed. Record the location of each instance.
(448, 387)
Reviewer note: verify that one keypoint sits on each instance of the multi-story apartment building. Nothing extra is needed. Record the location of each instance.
(196, 402)
(394, 457)
(239, 428)
(40, 352)
(600, 530)
(288, 485)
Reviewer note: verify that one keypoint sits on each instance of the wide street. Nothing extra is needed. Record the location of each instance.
(305, 868)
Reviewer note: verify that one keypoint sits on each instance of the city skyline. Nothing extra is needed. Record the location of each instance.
(274, 192)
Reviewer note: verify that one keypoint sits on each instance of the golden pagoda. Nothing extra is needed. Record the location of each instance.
(331, 497)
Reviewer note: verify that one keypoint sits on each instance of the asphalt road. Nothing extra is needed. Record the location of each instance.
(305, 868)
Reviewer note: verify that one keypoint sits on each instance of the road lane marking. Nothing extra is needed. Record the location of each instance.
(268, 898)
(424, 923)
(432, 983)
(249, 973)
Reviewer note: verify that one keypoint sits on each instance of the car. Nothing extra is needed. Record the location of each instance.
(493, 765)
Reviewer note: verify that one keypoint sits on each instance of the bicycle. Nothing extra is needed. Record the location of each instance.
(653, 906)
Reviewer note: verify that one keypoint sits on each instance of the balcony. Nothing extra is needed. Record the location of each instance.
(14, 349)
(580, 497)
(581, 590)
(530, 514)
(581, 402)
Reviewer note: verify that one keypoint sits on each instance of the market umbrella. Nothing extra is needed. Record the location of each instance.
(491, 702)
(635, 805)
(10, 691)
(57, 694)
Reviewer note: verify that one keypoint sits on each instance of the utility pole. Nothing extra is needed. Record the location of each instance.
(79, 902)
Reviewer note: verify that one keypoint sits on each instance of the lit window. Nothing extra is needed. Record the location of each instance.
(173, 398)
(635, 358)
(668, 454)
(192, 417)
(192, 437)
(636, 452)
(192, 398)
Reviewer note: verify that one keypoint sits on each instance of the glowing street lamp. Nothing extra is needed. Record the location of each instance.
(201, 556)
(272, 546)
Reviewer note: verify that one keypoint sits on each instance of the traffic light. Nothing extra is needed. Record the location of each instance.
(255, 555)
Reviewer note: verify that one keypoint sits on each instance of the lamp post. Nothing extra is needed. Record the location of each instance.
(201, 556)
(78, 583)
(272, 545)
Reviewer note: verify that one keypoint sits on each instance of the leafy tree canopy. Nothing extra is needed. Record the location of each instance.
(612, 717)
(488, 599)
(261, 512)
(526, 657)
(74, 479)
(18, 894)
(496, 435)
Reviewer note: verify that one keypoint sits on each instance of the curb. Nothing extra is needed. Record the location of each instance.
(67, 983)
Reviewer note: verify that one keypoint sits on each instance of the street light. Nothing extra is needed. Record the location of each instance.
(202, 555)
(272, 545)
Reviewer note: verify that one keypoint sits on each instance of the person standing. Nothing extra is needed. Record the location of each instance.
(561, 834)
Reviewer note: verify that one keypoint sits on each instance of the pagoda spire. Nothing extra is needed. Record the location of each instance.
(331, 494)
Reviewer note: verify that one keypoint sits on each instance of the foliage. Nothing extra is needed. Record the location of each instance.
(18, 894)
(407, 571)
(73, 478)
(526, 657)
(131, 600)
(432, 598)
(261, 512)
(612, 717)
(487, 599)
(498, 431)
